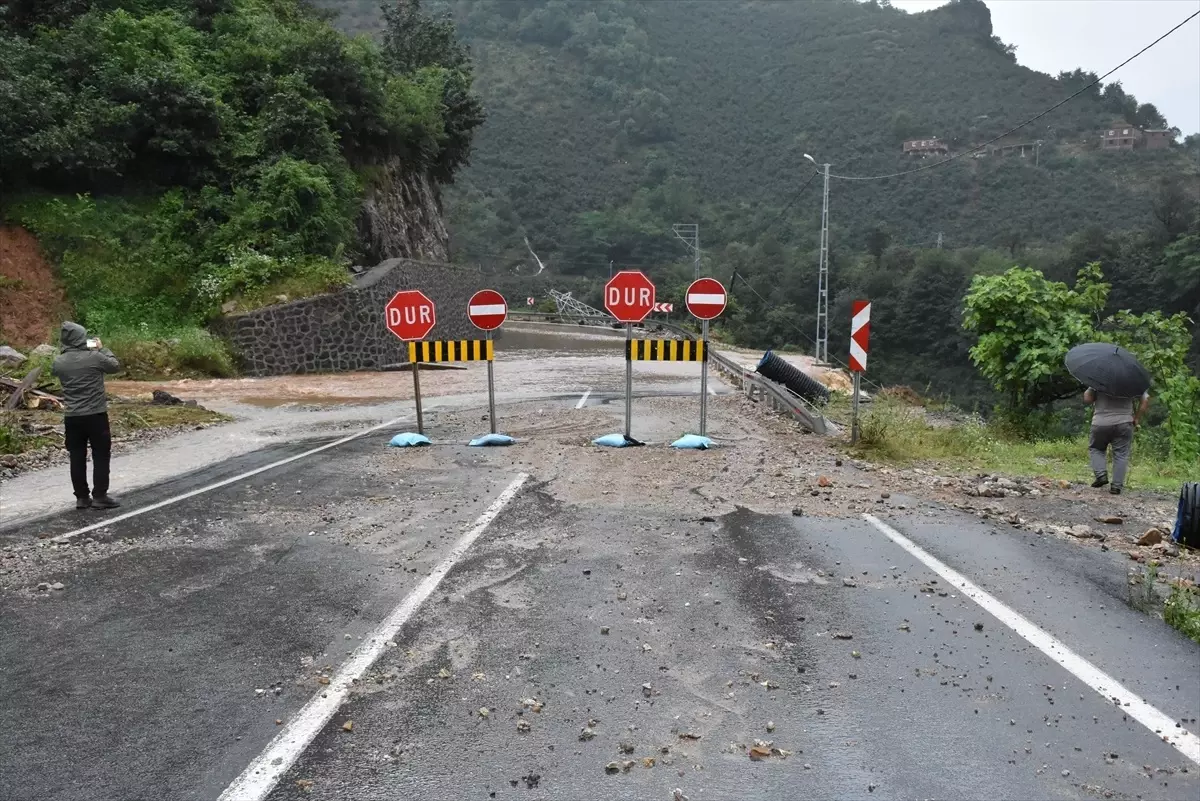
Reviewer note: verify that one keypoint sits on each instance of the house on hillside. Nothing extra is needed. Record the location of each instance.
(1120, 135)
(925, 147)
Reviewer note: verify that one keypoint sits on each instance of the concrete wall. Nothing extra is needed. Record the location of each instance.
(345, 330)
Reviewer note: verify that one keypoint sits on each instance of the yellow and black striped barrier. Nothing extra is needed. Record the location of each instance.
(455, 350)
(665, 350)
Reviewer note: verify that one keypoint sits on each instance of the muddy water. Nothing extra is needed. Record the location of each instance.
(532, 359)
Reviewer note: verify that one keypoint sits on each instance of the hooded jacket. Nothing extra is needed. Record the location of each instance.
(81, 371)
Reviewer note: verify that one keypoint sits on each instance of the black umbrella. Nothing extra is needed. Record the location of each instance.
(1109, 369)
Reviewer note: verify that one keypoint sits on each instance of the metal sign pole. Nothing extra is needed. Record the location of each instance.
(704, 380)
(854, 418)
(628, 381)
(491, 390)
(416, 371)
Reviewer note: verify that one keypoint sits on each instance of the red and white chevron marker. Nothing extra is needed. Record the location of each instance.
(860, 334)
(664, 307)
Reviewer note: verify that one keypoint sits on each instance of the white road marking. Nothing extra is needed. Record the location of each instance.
(583, 400)
(1162, 725)
(264, 772)
(141, 510)
(486, 309)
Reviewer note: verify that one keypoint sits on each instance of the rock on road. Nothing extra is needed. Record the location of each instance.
(633, 621)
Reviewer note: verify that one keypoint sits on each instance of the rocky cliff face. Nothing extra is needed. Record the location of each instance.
(402, 218)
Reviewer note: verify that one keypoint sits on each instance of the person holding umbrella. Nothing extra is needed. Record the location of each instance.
(1115, 380)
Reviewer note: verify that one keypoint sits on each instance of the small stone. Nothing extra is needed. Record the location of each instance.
(824, 481)
(1111, 520)
(278, 722)
(647, 690)
(348, 725)
(856, 654)
(646, 647)
(797, 512)
(979, 627)
(483, 712)
(849, 582)
(9, 355)
(604, 629)
(587, 734)
(770, 725)
(523, 726)
(611, 768)
(58, 585)
(1151, 537)
(621, 596)
(843, 635)
(626, 748)
(44, 586)
(885, 495)
(1066, 773)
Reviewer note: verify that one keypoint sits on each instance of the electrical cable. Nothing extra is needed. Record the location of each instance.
(1022, 125)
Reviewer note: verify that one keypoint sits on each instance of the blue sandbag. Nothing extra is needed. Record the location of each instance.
(409, 440)
(491, 439)
(611, 441)
(693, 441)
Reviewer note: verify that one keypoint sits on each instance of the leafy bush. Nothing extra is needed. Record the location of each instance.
(1182, 610)
(145, 352)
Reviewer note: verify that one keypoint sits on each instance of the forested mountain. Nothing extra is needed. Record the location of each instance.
(611, 120)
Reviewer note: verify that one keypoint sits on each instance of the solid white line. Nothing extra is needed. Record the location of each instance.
(583, 400)
(495, 308)
(1163, 725)
(262, 774)
(705, 300)
(108, 521)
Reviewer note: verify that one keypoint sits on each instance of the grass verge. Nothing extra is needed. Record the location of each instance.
(897, 433)
(1182, 610)
(29, 429)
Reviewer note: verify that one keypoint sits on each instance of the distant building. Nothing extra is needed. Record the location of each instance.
(1157, 140)
(926, 147)
(1120, 136)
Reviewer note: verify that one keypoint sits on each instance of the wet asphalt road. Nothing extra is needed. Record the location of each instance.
(655, 640)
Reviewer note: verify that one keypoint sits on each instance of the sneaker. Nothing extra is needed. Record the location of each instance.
(83, 503)
(1101, 480)
(1115, 490)
(104, 502)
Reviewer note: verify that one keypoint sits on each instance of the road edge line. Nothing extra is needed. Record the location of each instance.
(70, 535)
(264, 771)
(583, 400)
(1112, 690)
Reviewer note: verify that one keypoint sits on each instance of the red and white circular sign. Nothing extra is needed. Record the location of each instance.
(487, 310)
(706, 298)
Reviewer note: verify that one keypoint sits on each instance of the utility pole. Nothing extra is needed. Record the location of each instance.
(689, 234)
(939, 241)
(822, 354)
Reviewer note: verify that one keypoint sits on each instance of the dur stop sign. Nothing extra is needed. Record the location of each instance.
(410, 315)
(629, 296)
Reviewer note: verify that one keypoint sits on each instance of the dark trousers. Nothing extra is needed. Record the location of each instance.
(1120, 438)
(82, 431)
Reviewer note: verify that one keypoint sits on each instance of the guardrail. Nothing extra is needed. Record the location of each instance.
(754, 385)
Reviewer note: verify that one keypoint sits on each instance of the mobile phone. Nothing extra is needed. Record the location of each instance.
(93, 344)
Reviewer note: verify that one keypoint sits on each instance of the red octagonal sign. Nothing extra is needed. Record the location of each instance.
(629, 296)
(410, 315)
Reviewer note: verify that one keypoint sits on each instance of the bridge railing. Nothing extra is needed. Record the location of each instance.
(754, 385)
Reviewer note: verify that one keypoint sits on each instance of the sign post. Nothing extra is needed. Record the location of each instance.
(706, 299)
(410, 315)
(487, 311)
(629, 297)
(860, 335)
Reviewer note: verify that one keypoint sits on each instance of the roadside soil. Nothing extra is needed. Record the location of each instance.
(33, 300)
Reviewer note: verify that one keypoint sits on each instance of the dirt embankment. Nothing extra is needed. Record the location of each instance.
(31, 297)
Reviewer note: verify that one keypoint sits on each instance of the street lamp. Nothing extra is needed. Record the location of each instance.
(822, 353)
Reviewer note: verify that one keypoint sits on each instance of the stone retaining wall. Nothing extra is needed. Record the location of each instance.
(345, 330)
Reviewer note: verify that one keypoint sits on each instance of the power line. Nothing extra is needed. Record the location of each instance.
(1022, 125)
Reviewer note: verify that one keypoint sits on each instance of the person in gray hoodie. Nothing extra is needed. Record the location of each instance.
(81, 367)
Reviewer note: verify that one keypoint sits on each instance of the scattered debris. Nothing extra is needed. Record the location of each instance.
(348, 725)
(304, 785)
(523, 726)
(687, 735)
(533, 704)
(1111, 520)
(770, 725)
(849, 582)
(483, 712)
(586, 733)
(1151, 537)
(843, 635)
(824, 481)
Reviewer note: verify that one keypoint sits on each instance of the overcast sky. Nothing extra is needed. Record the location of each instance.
(1097, 35)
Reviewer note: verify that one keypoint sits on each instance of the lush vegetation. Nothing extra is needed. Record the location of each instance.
(1182, 610)
(173, 155)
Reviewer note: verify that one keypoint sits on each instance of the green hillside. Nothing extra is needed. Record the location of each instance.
(713, 104)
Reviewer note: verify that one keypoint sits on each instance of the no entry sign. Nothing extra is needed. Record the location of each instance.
(487, 310)
(706, 298)
(410, 315)
(629, 296)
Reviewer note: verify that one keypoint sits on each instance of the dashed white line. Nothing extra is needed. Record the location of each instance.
(264, 772)
(1162, 725)
(583, 400)
(141, 510)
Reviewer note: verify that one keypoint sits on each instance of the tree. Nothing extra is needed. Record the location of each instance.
(878, 239)
(1173, 207)
(1024, 325)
